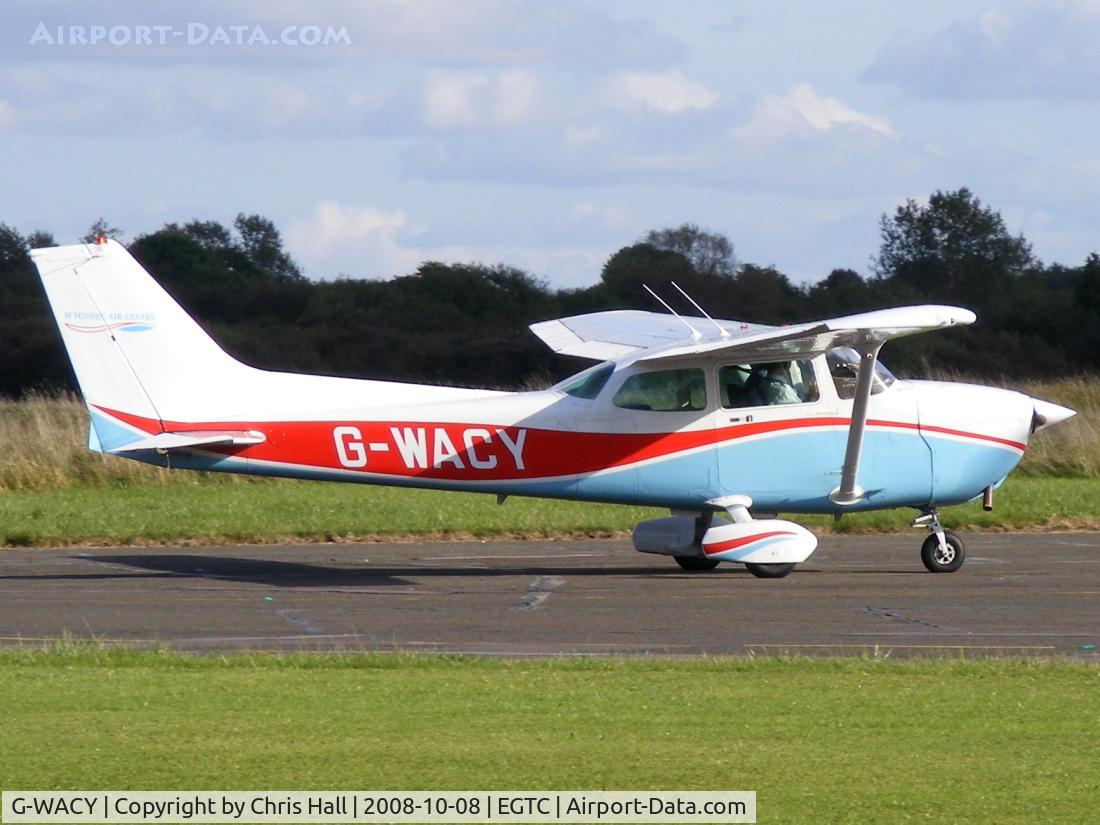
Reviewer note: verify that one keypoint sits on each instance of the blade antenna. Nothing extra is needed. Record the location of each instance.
(721, 329)
(695, 334)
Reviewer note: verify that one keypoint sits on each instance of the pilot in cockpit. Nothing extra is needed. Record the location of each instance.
(774, 385)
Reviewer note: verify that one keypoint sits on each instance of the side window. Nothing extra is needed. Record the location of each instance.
(760, 385)
(664, 391)
(587, 384)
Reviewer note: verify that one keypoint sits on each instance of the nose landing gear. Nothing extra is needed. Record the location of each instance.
(942, 552)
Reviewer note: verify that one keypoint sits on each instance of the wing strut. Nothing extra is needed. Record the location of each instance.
(849, 492)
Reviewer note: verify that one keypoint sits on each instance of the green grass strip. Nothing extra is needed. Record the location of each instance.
(823, 741)
(316, 511)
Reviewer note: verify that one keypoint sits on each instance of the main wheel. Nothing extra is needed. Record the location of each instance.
(696, 564)
(943, 560)
(769, 571)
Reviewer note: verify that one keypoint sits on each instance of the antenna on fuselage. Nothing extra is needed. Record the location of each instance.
(695, 334)
(721, 329)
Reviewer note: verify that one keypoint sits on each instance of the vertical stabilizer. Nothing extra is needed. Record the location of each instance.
(133, 348)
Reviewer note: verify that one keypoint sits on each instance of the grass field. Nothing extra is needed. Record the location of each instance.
(318, 511)
(821, 741)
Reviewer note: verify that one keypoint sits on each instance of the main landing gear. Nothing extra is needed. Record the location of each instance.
(942, 552)
(769, 571)
(696, 564)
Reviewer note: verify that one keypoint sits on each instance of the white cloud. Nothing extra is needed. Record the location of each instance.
(465, 100)
(160, 103)
(363, 241)
(580, 135)
(340, 232)
(585, 211)
(1088, 170)
(1028, 50)
(666, 92)
(515, 97)
(451, 99)
(28, 82)
(801, 112)
(283, 104)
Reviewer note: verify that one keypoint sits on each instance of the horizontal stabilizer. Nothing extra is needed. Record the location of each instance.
(169, 442)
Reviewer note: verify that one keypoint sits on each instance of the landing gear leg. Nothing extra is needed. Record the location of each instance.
(942, 552)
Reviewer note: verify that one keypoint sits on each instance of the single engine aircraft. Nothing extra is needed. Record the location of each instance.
(724, 423)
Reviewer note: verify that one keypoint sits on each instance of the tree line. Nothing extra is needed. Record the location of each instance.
(466, 323)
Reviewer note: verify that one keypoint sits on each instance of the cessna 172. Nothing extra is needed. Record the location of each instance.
(724, 423)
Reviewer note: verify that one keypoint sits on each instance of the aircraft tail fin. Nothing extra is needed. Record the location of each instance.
(133, 348)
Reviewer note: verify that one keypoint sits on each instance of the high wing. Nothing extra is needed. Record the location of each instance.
(605, 336)
(650, 336)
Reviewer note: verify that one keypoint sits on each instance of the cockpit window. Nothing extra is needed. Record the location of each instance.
(587, 384)
(663, 391)
(844, 367)
(758, 385)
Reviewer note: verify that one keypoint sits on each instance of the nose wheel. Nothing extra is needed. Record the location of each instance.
(942, 552)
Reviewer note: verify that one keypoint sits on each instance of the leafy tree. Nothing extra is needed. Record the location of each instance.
(211, 234)
(762, 294)
(842, 291)
(263, 245)
(39, 239)
(710, 253)
(953, 248)
(631, 269)
(101, 229)
(32, 352)
(1087, 289)
(466, 323)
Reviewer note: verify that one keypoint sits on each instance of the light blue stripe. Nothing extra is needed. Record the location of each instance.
(111, 435)
(789, 473)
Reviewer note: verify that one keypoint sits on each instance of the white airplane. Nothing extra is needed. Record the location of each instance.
(724, 423)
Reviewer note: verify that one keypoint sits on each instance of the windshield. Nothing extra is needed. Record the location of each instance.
(844, 367)
(586, 384)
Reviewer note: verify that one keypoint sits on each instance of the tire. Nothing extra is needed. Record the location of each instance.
(939, 562)
(696, 564)
(769, 571)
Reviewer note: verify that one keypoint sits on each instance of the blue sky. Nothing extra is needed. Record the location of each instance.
(548, 135)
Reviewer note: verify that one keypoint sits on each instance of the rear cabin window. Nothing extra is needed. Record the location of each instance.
(587, 384)
(664, 391)
(762, 385)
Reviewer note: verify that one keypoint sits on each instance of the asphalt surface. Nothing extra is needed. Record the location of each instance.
(1034, 595)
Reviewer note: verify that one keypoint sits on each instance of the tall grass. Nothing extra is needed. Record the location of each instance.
(1070, 449)
(43, 446)
(43, 443)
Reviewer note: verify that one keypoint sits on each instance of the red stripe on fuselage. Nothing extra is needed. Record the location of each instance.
(544, 454)
(928, 428)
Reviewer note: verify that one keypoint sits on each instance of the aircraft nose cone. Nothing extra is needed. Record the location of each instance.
(1047, 414)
